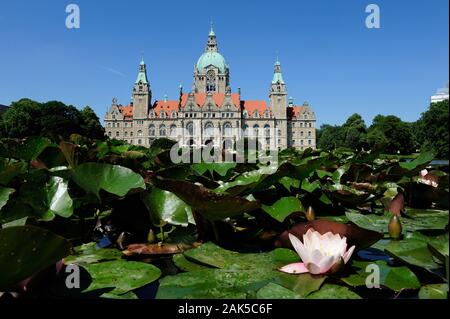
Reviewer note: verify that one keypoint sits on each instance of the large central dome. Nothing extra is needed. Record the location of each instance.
(211, 58)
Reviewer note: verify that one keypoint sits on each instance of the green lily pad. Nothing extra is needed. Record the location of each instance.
(123, 276)
(114, 179)
(4, 195)
(89, 253)
(27, 250)
(185, 265)
(379, 223)
(434, 291)
(214, 256)
(422, 159)
(413, 252)
(275, 291)
(166, 207)
(329, 291)
(394, 278)
(283, 208)
(220, 168)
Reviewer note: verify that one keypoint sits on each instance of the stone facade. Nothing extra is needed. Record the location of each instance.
(211, 112)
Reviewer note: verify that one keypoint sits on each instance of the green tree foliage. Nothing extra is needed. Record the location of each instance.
(391, 133)
(431, 130)
(52, 119)
(90, 123)
(354, 132)
(329, 137)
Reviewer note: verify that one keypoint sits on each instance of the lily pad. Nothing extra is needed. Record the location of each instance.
(214, 256)
(394, 278)
(114, 179)
(90, 253)
(275, 291)
(212, 205)
(434, 291)
(329, 291)
(220, 168)
(27, 250)
(166, 207)
(283, 208)
(123, 276)
(434, 221)
(4, 195)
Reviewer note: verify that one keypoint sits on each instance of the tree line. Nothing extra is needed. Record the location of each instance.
(391, 134)
(52, 119)
(57, 120)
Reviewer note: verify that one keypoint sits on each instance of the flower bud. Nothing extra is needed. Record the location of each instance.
(151, 236)
(310, 214)
(395, 227)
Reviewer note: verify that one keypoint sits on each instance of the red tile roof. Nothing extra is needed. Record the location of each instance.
(294, 112)
(127, 111)
(166, 106)
(256, 106)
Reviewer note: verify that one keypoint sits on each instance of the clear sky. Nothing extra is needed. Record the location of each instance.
(329, 58)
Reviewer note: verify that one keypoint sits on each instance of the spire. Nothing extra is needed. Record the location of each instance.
(211, 30)
(211, 45)
(142, 75)
(277, 76)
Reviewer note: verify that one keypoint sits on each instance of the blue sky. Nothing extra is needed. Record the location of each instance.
(329, 58)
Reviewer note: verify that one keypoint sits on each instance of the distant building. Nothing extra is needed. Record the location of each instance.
(211, 112)
(441, 95)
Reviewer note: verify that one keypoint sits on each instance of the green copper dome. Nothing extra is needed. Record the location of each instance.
(212, 58)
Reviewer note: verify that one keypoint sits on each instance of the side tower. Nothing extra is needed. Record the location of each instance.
(278, 104)
(142, 94)
(211, 73)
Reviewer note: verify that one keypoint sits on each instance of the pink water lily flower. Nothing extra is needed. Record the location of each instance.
(319, 253)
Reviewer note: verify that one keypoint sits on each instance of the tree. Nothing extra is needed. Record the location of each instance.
(431, 130)
(52, 119)
(354, 131)
(331, 137)
(393, 132)
(90, 124)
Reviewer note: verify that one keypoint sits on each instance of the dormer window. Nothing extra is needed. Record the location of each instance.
(267, 114)
(245, 114)
(256, 114)
(174, 114)
(162, 115)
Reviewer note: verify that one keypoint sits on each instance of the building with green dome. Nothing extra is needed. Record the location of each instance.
(211, 113)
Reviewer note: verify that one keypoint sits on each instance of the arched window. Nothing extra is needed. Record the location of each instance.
(139, 141)
(227, 129)
(162, 115)
(267, 114)
(309, 133)
(245, 114)
(245, 130)
(210, 81)
(209, 129)
(305, 116)
(190, 129)
(109, 134)
(267, 130)
(151, 130)
(174, 114)
(162, 130)
(173, 130)
(256, 114)
(301, 133)
(152, 114)
(139, 133)
(126, 134)
(310, 124)
(109, 124)
(255, 130)
(117, 134)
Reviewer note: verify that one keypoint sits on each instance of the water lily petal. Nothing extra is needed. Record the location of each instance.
(326, 263)
(316, 256)
(299, 248)
(307, 239)
(295, 268)
(348, 254)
